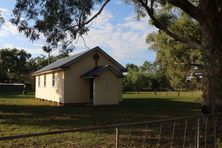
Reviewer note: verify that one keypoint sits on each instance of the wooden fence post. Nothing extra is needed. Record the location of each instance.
(144, 144)
(205, 135)
(12, 144)
(198, 132)
(128, 145)
(117, 137)
(172, 138)
(215, 131)
(160, 131)
(185, 133)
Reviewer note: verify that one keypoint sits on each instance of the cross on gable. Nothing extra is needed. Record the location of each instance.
(96, 58)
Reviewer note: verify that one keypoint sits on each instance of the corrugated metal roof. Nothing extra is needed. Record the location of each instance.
(65, 62)
(97, 70)
(60, 62)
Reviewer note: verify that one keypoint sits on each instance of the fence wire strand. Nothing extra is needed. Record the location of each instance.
(201, 131)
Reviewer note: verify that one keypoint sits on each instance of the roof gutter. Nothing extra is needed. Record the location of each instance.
(48, 71)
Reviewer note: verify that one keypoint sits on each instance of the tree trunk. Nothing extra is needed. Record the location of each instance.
(212, 87)
(211, 29)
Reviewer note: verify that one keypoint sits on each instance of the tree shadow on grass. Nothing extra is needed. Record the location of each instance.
(15, 95)
(66, 117)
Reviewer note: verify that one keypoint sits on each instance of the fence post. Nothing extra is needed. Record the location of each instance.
(198, 132)
(185, 133)
(160, 131)
(172, 138)
(12, 145)
(205, 137)
(117, 137)
(215, 131)
(129, 138)
(145, 136)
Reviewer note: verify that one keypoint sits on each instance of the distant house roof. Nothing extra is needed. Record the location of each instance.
(66, 62)
(12, 84)
(98, 70)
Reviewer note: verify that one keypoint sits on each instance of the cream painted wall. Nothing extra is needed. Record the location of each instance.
(76, 89)
(107, 89)
(49, 92)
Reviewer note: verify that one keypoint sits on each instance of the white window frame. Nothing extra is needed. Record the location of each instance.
(53, 80)
(39, 81)
(44, 80)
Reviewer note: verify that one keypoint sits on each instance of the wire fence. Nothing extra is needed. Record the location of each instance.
(196, 131)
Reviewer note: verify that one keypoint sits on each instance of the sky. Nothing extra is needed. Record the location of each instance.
(116, 31)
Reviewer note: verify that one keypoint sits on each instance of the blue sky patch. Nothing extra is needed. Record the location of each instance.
(116, 31)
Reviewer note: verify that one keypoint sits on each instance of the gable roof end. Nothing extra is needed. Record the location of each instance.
(66, 62)
(98, 70)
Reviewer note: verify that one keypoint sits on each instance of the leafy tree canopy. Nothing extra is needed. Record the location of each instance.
(13, 63)
(132, 67)
(175, 58)
(147, 77)
(17, 65)
(59, 21)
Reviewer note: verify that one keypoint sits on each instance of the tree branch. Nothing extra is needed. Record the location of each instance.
(80, 24)
(98, 13)
(187, 7)
(159, 25)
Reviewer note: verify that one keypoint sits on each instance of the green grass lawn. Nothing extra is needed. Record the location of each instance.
(20, 114)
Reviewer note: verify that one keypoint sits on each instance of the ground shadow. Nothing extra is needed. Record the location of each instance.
(15, 95)
(65, 117)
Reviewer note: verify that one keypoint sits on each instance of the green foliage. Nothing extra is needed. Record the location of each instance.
(17, 65)
(41, 61)
(132, 67)
(175, 58)
(13, 64)
(58, 20)
(144, 78)
(166, 18)
(37, 63)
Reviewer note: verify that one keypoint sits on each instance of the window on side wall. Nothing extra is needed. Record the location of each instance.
(53, 79)
(44, 79)
(38, 81)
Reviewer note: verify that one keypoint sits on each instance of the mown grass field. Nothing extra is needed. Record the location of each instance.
(21, 114)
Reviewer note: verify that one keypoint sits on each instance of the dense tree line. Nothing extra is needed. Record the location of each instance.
(148, 77)
(13, 64)
(153, 77)
(17, 65)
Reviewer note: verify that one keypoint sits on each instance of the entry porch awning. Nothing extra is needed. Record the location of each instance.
(98, 70)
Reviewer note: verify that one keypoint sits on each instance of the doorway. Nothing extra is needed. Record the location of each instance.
(91, 89)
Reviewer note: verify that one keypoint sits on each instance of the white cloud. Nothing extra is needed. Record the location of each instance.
(102, 19)
(8, 29)
(36, 50)
(6, 13)
(136, 25)
(3, 10)
(123, 40)
(7, 45)
(119, 2)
